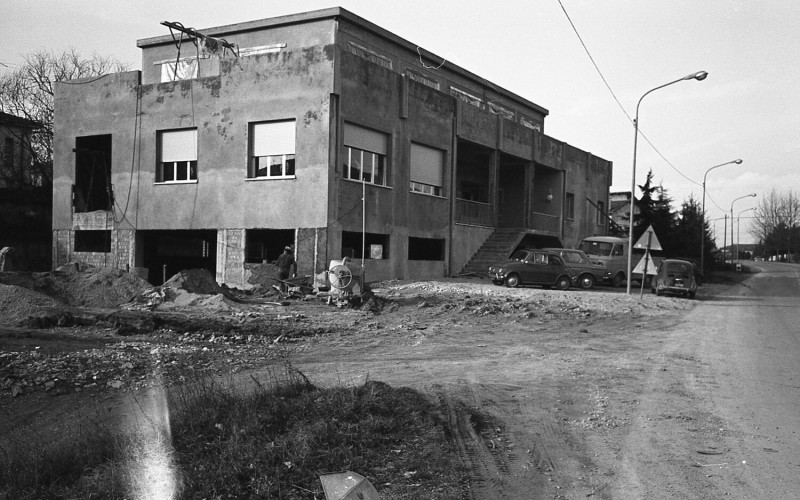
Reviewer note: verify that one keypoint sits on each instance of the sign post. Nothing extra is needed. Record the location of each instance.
(648, 241)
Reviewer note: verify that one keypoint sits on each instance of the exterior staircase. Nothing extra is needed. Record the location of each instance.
(495, 249)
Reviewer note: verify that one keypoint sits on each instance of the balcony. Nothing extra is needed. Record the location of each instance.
(546, 222)
(474, 213)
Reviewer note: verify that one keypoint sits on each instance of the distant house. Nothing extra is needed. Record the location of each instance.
(321, 131)
(620, 209)
(15, 151)
(25, 210)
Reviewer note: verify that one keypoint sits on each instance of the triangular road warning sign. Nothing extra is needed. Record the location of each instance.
(650, 235)
(651, 265)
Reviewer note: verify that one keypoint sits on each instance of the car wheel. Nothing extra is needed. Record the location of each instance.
(692, 295)
(562, 283)
(618, 279)
(586, 281)
(658, 291)
(512, 280)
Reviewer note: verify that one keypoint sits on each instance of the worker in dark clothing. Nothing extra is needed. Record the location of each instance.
(287, 267)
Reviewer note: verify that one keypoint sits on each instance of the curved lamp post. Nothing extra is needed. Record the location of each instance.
(703, 216)
(738, 216)
(700, 75)
(751, 195)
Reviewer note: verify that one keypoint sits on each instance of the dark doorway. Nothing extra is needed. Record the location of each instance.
(92, 190)
(511, 193)
(165, 253)
(266, 245)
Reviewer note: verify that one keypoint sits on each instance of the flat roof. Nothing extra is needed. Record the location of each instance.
(343, 14)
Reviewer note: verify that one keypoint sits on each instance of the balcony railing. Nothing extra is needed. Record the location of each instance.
(474, 213)
(546, 222)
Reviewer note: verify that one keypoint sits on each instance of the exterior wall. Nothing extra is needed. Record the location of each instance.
(308, 74)
(294, 83)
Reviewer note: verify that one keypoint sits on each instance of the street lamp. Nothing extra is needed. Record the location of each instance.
(751, 195)
(700, 75)
(703, 217)
(737, 229)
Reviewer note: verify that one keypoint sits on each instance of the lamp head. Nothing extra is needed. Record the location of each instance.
(738, 162)
(699, 76)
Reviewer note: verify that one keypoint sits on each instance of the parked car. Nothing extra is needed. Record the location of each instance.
(612, 252)
(585, 272)
(532, 267)
(676, 277)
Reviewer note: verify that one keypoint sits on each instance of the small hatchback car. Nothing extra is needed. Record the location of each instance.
(587, 273)
(532, 267)
(676, 277)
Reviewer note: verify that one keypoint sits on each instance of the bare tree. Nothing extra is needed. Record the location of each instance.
(27, 92)
(776, 222)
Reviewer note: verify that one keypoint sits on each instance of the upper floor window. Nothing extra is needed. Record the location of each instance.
(370, 55)
(421, 78)
(364, 155)
(466, 97)
(601, 213)
(8, 152)
(272, 150)
(185, 68)
(501, 110)
(569, 206)
(427, 170)
(177, 156)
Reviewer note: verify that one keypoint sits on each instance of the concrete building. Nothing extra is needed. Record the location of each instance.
(318, 130)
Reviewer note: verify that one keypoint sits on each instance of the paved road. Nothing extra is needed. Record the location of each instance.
(732, 392)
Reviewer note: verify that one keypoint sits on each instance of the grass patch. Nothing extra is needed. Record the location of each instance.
(271, 440)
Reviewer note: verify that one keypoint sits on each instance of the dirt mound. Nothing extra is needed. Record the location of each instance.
(194, 281)
(17, 303)
(81, 285)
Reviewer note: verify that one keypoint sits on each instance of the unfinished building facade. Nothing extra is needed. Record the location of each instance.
(320, 131)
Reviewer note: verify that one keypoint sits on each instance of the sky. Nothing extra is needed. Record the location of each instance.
(747, 108)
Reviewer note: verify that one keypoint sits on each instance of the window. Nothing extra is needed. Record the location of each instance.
(423, 79)
(272, 150)
(427, 170)
(364, 155)
(601, 213)
(569, 206)
(377, 245)
(177, 156)
(181, 69)
(425, 249)
(8, 152)
(370, 55)
(466, 97)
(501, 110)
(93, 241)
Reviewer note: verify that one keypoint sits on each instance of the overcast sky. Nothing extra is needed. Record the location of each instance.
(747, 108)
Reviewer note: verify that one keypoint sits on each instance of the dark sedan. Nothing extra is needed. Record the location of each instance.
(532, 267)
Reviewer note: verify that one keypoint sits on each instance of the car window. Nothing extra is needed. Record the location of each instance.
(679, 267)
(599, 248)
(540, 258)
(555, 261)
(573, 258)
(617, 251)
(520, 255)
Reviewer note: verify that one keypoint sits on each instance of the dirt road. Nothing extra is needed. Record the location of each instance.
(550, 394)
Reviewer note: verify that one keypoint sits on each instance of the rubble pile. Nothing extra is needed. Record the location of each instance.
(80, 285)
(18, 303)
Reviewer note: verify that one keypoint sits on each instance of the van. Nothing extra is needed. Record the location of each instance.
(612, 252)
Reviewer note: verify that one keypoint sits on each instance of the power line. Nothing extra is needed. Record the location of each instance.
(614, 95)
